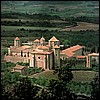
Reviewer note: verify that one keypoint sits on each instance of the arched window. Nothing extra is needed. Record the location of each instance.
(38, 57)
(28, 54)
(25, 55)
(21, 53)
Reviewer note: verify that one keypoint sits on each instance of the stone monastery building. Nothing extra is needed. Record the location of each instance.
(40, 54)
(46, 55)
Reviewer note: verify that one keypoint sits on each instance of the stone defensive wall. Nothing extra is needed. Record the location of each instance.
(16, 59)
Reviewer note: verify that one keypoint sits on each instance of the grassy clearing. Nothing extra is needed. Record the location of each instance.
(46, 74)
(79, 76)
(83, 76)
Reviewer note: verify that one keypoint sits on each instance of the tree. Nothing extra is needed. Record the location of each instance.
(24, 90)
(66, 42)
(93, 50)
(21, 90)
(2, 91)
(64, 73)
(95, 94)
(4, 51)
(6, 78)
(58, 89)
(8, 93)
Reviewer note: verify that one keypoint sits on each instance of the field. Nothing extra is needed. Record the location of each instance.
(68, 9)
(83, 26)
(15, 28)
(80, 26)
(32, 20)
(79, 76)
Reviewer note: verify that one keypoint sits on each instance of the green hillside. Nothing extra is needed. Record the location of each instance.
(60, 8)
(79, 76)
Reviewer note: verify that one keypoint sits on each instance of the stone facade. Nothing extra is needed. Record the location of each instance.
(45, 55)
(20, 69)
(40, 54)
(92, 58)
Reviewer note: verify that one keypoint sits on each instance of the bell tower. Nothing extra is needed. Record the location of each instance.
(53, 42)
(17, 42)
(57, 56)
(42, 41)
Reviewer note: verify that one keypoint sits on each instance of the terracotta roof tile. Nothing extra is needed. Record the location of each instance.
(70, 51)
(70, 54)
(42, 38)
(53, 39)
(56, 46)
(43, 47)
(17, 38)
(74, 48)
(42, 52)
(28, 50)
(25, 47)
(80, 56)
(19, 67)
(37, 40)
(17, 49)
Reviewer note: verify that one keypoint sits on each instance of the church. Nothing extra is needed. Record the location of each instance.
(41, 54)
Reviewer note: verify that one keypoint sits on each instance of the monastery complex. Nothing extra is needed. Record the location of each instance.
(45, 55)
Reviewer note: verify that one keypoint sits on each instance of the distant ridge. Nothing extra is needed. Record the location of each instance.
(46, 2)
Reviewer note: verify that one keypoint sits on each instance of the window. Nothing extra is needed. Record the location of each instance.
(24, 55)
(28, 54)
(28, 60)
(38, 57)
(21, 53)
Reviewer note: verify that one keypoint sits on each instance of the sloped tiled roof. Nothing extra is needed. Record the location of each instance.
(17, 38)
(80, 56)
(19, 67)
(70, 51)
(25, 46)
(74, 48)
(47, 52)
(43, 47)
(20, 48)
(56, 46)
(42, 38)
(37, 40)
(28, 50)
(53, 39)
